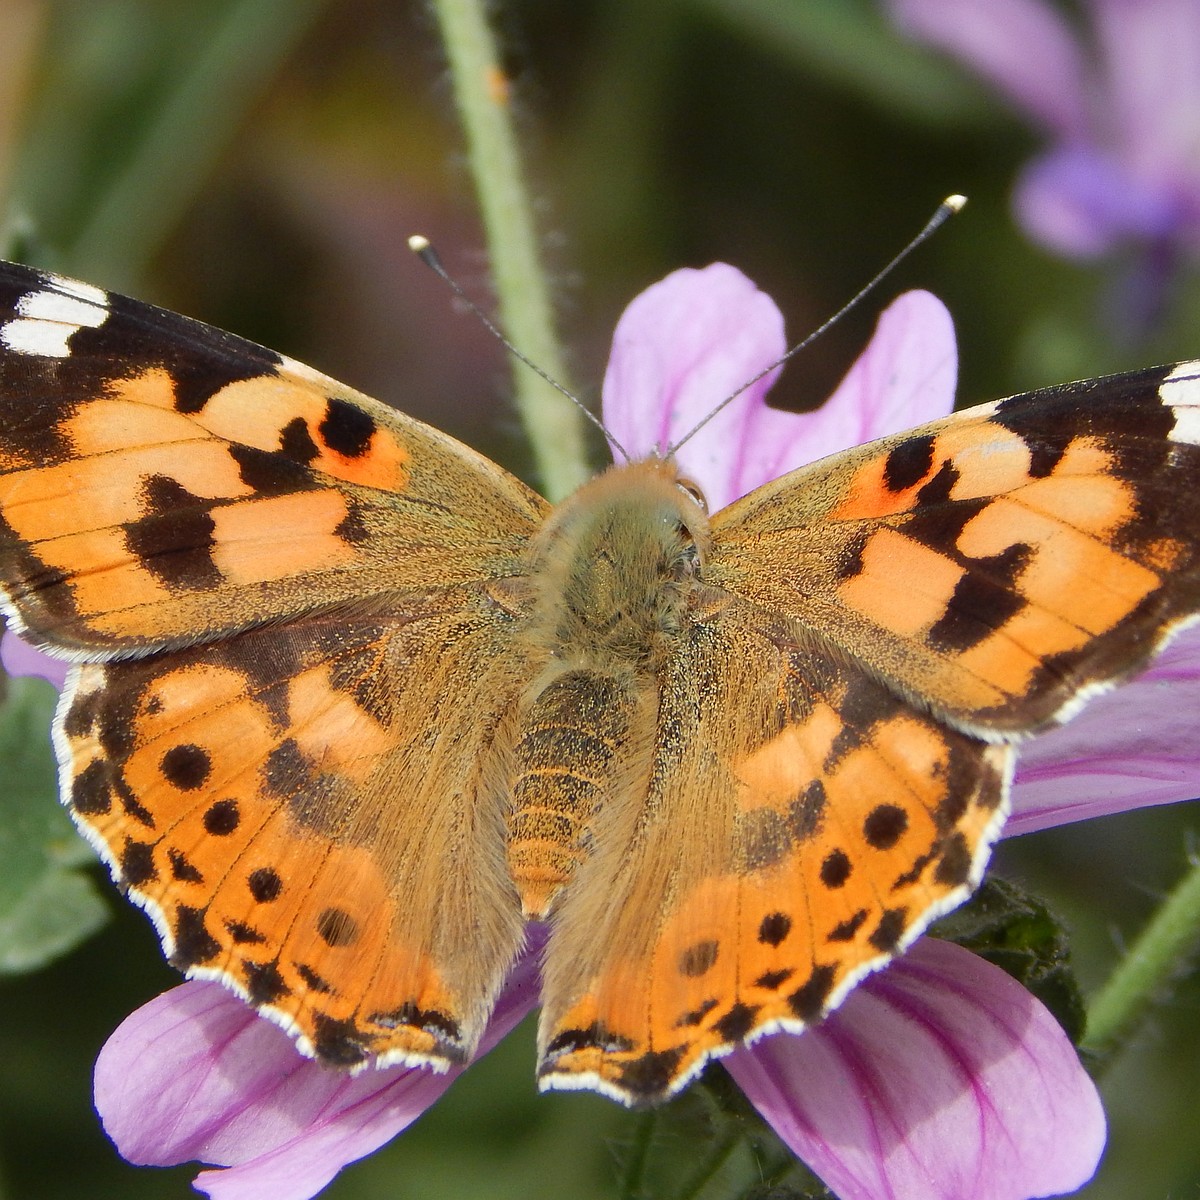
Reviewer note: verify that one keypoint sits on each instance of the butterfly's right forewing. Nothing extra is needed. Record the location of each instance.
(1001, 565)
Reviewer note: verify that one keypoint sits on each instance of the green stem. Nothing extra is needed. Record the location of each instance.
(552, 424)
(1160, 952)
(224, 74)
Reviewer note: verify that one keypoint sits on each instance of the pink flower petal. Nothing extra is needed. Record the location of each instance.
(686, 343)
(940, 1078)
(20, 658)
(195, 1074)
(906, 375)
(1024, 48)
(679, 349)
(1131, 747)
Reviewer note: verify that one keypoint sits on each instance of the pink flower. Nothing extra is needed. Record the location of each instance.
(939, 1078)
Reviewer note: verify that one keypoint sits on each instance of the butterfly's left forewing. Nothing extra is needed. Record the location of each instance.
(163, 482)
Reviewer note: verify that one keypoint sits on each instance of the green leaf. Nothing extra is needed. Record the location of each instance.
(1018, 933)
(47, 905)
(53, 917)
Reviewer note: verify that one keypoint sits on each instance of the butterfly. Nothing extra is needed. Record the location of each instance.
(351, 705)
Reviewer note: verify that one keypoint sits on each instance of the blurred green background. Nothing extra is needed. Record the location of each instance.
(259, 164)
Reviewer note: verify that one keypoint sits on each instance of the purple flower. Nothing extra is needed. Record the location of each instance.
(1118, 107)
(939, 1078)
(20, 658)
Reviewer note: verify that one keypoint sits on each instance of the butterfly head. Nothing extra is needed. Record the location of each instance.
(615, 563)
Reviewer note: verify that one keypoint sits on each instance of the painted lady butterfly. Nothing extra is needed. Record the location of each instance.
(351, 704)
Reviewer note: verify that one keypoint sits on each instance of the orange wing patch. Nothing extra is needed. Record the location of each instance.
(329, 434)
(234, 789)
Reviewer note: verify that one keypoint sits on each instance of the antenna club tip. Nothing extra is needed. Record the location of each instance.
(954, 203)
(422, 247)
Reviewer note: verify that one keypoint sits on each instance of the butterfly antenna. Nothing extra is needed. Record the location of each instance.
(423, 249)
(946, 209)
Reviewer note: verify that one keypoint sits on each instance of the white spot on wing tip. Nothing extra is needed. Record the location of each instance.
(46, 318)
(1181, 391)
(1184, 372)
(41, 339)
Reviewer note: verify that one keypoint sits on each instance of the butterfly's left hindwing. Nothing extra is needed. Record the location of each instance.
(293, 805)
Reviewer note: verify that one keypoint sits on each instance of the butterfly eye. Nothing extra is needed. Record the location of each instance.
(693, 492)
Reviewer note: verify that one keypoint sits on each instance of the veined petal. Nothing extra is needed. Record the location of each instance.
(905, 376)
(680, 348)
(196, 1074)
(940, 1078)
(1130, 748)
(1024, 48)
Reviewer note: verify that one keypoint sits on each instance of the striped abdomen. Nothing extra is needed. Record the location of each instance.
(567, 754)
